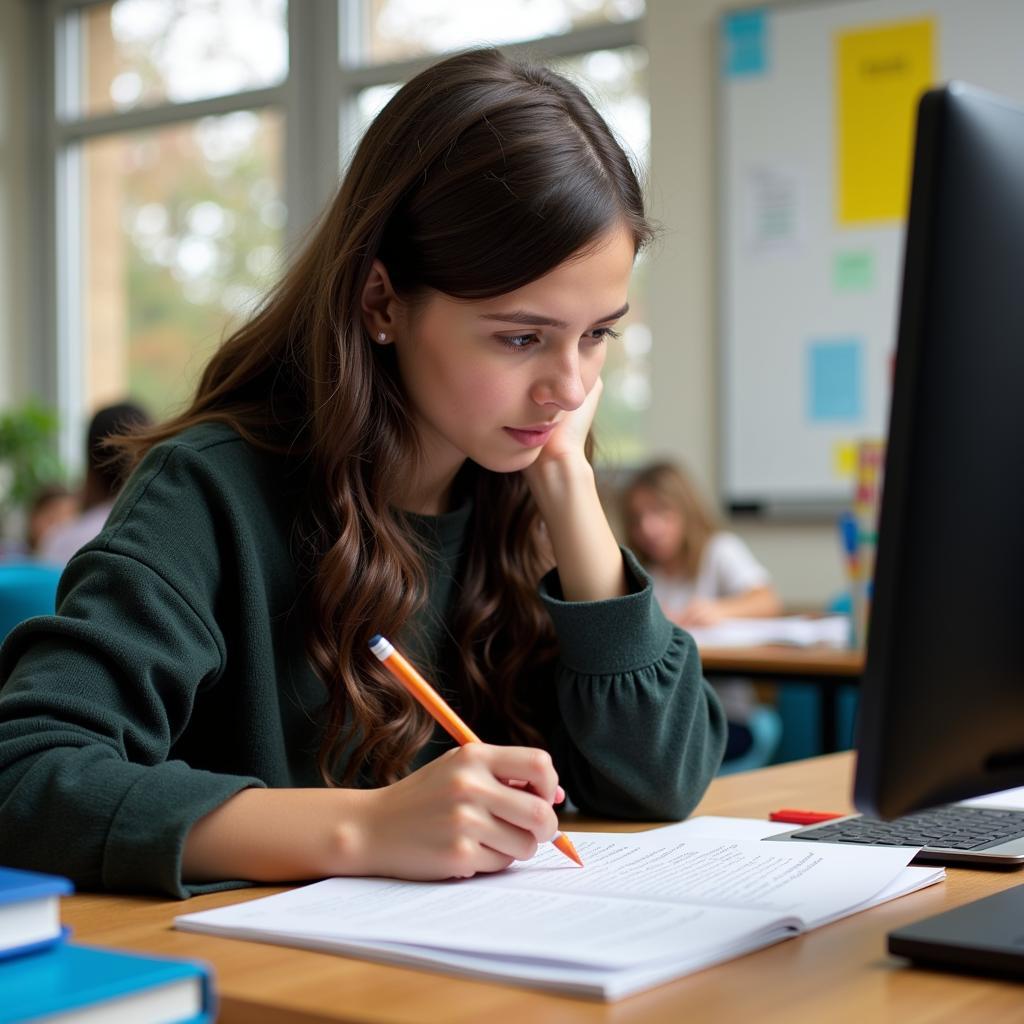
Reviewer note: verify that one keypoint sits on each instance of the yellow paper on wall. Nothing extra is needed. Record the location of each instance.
(844, 459)
(881, 72)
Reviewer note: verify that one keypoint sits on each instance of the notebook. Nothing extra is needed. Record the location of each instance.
(29, 910)
(646, 908)
(72, 983)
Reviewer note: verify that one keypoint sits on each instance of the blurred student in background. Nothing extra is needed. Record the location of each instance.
(105, 473)
(53, 506)
(701, 573)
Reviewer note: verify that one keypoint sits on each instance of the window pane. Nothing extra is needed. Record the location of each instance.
(134, 53)
(359, 115)
(616, 81)
(621, 425)
(400, 29)
(181, 234)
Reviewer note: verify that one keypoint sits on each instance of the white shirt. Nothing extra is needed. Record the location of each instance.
(727, 568)
(63, 541)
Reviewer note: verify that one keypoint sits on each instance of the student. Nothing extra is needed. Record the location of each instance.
(52, 507)
(396, 443)
(701, 574)
(104, 477)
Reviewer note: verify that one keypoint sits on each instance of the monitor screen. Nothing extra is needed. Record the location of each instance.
(942, 708)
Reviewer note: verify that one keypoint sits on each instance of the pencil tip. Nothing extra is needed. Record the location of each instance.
(564, 843)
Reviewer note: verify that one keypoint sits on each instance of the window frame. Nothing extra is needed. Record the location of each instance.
(327, 68)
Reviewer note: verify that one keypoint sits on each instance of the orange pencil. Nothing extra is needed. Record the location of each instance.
(435, 704)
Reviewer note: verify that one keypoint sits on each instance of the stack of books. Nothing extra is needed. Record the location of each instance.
(44, 976)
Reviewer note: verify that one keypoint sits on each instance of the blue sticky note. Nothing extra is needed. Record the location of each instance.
(835, 379)
(745, 43)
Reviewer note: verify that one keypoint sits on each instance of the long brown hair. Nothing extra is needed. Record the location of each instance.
(672, 484)
(479, 176)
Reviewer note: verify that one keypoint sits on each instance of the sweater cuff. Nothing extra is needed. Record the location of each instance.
(147, 834)
(621, 634)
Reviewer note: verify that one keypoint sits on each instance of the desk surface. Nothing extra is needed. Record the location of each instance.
(838, 973)
(779, 660)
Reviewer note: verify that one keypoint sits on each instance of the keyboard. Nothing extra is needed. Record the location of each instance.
(949, 834)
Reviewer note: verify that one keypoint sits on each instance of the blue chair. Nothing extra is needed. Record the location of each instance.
(26, 589)
(765, 725)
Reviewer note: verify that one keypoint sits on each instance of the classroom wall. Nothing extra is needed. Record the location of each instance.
(681, 37)
(14, 219)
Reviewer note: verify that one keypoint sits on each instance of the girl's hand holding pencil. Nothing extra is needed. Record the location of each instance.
(460, 815)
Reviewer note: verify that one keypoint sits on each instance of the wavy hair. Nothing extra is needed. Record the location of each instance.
(480, 175)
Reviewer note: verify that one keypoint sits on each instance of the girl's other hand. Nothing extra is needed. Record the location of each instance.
(456, 816)
(571, 432)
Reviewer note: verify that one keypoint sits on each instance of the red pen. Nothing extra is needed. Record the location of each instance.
(794, 817)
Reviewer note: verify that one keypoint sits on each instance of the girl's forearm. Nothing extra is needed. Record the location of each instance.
(276, 835)
(589, 560)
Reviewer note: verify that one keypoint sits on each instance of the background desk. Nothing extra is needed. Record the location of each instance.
(822, 667)
(836, 974)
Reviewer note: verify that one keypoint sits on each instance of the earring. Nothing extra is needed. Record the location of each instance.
(382, 338)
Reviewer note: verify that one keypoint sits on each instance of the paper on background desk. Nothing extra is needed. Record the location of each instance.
(792, 630)
(647, 907)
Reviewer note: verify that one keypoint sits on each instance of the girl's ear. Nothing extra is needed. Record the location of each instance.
(381, 307)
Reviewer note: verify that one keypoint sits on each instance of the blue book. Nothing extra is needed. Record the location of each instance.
(62, 983)
(30, 910)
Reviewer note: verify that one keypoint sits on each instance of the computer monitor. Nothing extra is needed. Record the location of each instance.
(942, 707)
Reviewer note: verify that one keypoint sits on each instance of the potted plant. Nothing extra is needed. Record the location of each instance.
(28, 459)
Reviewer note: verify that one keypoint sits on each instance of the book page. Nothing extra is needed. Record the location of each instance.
(541, 927)
(641, 899)
(811, 880)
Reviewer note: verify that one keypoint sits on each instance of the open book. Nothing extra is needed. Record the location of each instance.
(647, 907)
(792, 630)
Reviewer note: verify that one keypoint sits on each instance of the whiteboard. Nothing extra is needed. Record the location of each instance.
(808, 300)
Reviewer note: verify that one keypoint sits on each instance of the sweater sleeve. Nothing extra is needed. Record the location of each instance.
(640, 733)
(89, 713)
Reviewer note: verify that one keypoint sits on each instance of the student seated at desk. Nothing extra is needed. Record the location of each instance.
(104, 477)
(52, 506)
(398, 443)
(701, 574)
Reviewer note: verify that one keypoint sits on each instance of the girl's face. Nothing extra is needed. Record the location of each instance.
(655, 526)
(489, 379)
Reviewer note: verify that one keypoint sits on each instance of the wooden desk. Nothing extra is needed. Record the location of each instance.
(835, 974)
(822, 667)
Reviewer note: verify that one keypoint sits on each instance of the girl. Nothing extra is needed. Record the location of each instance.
(701, 575)
(397, 443)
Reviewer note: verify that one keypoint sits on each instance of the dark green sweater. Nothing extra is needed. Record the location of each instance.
(174, 675)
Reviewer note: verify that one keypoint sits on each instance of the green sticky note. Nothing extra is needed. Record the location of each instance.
(853, 270)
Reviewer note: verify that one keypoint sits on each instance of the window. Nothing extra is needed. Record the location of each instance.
(617, 82)
(181, 233)
(140, 53)
(397, 30)
(172, 210)
(188, 153)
